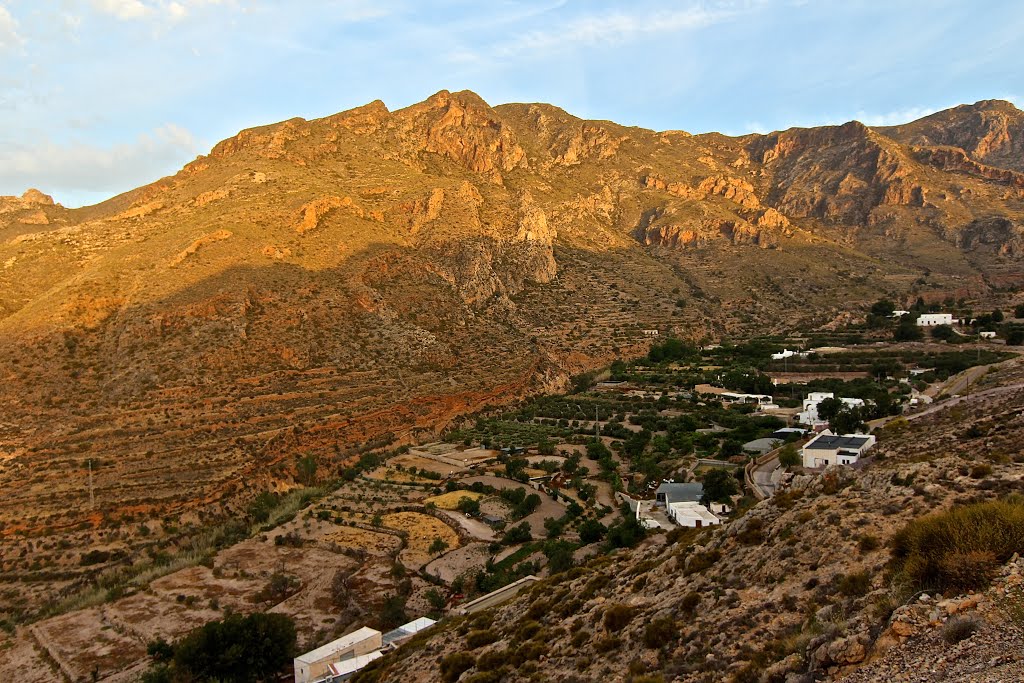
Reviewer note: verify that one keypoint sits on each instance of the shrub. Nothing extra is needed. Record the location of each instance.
(659, 632)
(856, 584)
(961, 548)
(867, 543)
(689, 603)
(960, 628)
(617, 617)
(477, 639)
(981, 470)
(455, 665)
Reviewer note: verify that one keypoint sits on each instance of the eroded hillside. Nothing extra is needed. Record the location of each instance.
(311, 287)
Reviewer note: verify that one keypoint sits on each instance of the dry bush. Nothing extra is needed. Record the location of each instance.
(959, 549)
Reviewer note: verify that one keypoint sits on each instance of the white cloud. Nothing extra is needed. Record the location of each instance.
(9, 30)
(620, 27)
(84, 167)
(174, 10)
(123, 9)
(894, 118)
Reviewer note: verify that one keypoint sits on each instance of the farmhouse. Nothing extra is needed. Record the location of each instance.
(786, 353)
(832, 449)
(671, 492)
(691, 515)
(933, 319)
(809, 414)
(315, 665)
(987, 335)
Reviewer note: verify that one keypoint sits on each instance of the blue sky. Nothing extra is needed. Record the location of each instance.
(100, 96)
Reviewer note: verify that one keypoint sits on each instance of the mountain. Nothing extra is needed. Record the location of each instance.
(317, 287)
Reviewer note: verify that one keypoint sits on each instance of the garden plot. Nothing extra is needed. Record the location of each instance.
(374, 543)
(450, 500)
(423, 462)
(422, 531)
(86, 640)
(455, 563)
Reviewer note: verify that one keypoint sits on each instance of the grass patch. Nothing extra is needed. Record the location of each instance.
(959, 549)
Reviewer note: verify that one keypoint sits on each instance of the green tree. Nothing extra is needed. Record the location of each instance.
(306, 468)
(883, 308)
(1018, 311)
(559, 554)
(468, 506)
(943, 332)
(997, 316)
(789, 456)
(592, 531)
(719, 486)
(256, 647)
(1015, 337)
(517, 534)
(847, 421)
(907, 330)
(438, 546)
(392, 612)
(828, 408)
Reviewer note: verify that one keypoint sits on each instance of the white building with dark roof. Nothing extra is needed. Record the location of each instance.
(832, 449)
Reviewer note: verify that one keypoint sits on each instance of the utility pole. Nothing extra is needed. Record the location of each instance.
(597, 424)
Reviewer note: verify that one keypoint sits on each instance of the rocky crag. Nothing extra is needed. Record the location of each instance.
(315, 287)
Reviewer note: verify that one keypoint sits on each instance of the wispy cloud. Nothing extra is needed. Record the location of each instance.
(621, 27)
(92, 168)
(9, 37)
(173, 10)
(895, 118)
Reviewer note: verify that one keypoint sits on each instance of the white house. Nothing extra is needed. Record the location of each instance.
(809, 414)
(899, 314)
(933, 319)
(830, 449)
(786, 353)
(316, 664)
(987, 334)
(650, 333)
(691, 515)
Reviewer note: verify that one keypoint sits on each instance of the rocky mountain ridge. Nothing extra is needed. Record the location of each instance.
(314, 287)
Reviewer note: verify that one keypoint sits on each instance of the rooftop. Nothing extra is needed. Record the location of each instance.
(830, 442)
(340, 644)
(689, 491)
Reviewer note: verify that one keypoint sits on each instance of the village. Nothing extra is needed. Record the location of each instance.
(371, 556)
(685, 438)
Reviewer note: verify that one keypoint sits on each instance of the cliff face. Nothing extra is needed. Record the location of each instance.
(369, 275)
(990, 131)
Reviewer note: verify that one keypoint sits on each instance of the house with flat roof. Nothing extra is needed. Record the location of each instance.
(691, 515)
(405, 631)
(762, 446)
(809, 414)
(832, 449)
(933, 319)
(315, 665)
(671, 492)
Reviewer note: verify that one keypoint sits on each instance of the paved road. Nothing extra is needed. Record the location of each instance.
(762, 476)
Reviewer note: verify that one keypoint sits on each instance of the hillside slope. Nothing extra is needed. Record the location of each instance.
(798, 589)
(311, 287)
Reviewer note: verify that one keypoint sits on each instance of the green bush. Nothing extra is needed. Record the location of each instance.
(855, 585)
(455, 665)
(959, 549)
(617, 617)
(958, 629)
(477, 639)
(660, 632)
(256, 647)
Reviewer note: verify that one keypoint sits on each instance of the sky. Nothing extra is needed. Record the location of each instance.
(100, 96)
